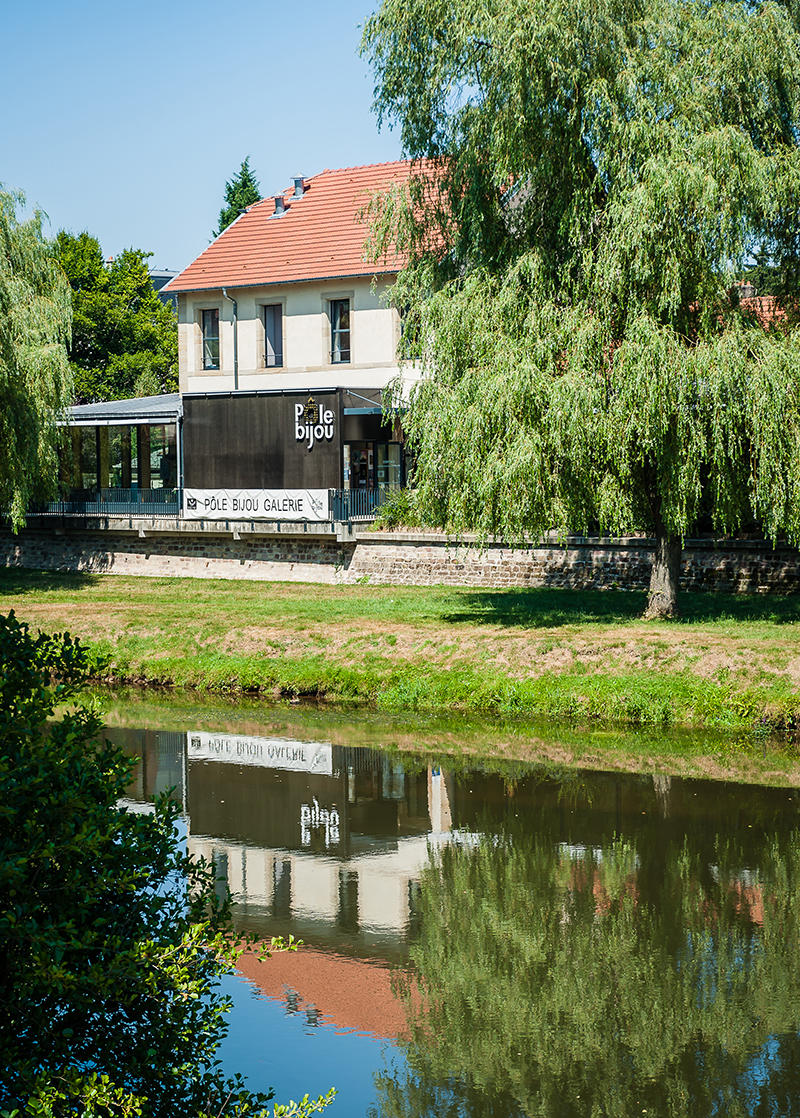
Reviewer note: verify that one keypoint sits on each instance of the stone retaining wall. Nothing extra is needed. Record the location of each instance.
(734, 566)
(275, 558)
(291, 554)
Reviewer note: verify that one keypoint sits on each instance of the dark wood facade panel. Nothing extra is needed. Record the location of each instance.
(249, 441)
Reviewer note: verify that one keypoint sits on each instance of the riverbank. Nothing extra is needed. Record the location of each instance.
(459, 741)
(731, 662)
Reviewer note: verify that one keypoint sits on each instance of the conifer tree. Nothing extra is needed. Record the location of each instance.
(240, 192)
(596, 176)
(35, 381)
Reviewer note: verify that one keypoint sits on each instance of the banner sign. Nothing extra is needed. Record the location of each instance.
(267, 753)
(256, 504)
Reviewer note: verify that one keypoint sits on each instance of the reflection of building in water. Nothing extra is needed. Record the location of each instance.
(162, 761)
(321, 841)
(328, 846)
(325, 987)
(328, 842)
(363, 902)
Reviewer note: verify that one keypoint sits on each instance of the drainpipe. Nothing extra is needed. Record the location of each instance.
(235, 341)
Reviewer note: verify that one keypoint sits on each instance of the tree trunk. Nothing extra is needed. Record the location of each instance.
(662, 600)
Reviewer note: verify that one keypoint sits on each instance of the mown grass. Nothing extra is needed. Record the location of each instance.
(729, 662)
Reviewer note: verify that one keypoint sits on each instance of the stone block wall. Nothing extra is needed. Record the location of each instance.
(274, 558)
(734, 566)
(231, 551)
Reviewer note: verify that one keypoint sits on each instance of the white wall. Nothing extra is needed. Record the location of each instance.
(374, 334)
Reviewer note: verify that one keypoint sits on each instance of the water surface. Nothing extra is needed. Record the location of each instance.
(496, 938)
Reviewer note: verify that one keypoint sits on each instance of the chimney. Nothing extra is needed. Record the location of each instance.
(280, 206)
(299, 185)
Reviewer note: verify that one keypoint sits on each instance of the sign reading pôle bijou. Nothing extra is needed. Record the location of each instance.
(256, 504)
(313, 423)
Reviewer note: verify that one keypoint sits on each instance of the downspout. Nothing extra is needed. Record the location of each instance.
(235, 341)
(179, 440)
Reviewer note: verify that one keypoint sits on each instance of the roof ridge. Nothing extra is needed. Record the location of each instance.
(334, 171)
(363, 167)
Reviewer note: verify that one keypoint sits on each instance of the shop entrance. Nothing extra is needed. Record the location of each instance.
(373, 465)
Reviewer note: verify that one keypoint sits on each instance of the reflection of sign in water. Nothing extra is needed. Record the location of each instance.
(268, 753)
(315, 818)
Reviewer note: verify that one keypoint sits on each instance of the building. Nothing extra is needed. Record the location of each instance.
(159, 278)
(286, 343)
(285, 298)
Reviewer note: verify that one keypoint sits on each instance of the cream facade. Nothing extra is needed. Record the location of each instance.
(245, 357)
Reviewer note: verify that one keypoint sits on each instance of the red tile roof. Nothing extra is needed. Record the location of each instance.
(318, 237)
(351, 993)
(765, 309)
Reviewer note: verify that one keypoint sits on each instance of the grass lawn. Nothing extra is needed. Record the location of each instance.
(584, 655)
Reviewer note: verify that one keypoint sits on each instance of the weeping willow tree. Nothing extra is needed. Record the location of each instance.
(590, 179)
(35, 383)
(559, 983)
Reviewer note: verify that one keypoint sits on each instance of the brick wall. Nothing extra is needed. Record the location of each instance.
(212, 551)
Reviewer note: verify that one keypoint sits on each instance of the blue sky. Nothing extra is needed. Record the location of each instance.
(126, 119)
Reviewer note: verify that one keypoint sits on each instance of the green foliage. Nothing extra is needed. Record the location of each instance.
(594, 181)
(241, 192)
(35, 381)
(524, 431)
(124, 339)
(610, 981)
(112, 938)
(764, 276)
(305, 1106)
(397, 511)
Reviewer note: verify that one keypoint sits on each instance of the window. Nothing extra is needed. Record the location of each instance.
(340, 331)
(209, 322)
(273, 336)
(163, 457)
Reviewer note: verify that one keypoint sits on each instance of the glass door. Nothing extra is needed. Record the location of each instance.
(359, 469)
(389, 467)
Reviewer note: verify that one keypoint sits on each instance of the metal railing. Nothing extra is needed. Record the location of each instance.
(357, 504)
(113, 502)
(344, 504)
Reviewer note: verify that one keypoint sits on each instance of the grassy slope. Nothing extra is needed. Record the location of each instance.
(730, 662)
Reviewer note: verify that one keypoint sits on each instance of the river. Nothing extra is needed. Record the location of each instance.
(490, 937)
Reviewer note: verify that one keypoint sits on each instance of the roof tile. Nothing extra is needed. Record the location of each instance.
(319, 236)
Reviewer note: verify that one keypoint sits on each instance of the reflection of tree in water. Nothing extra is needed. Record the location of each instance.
(556, 985)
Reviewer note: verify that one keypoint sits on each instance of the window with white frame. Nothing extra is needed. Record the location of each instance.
(209, 325)
(273, 336)
(340, 331)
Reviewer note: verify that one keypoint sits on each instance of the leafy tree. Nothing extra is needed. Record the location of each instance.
(35, 381)
(559, 983)
(764, 276)
(124, 339)
(112, 938)
(240, 193)
(593, 179)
